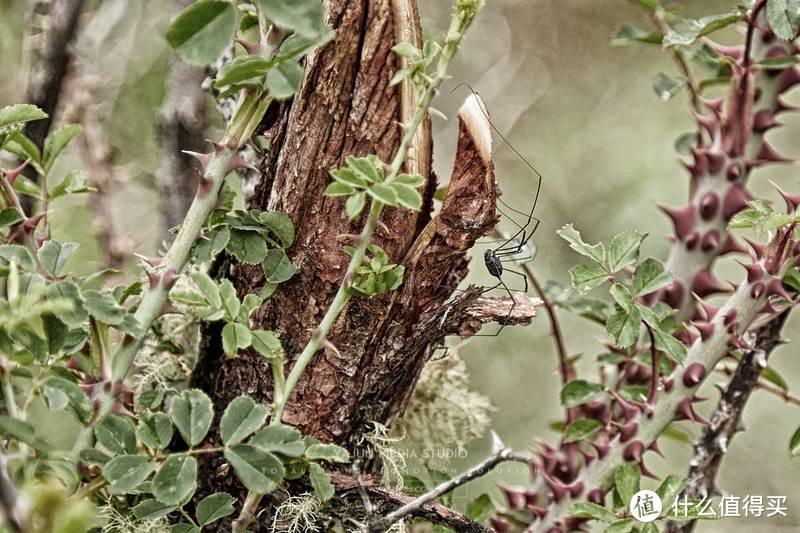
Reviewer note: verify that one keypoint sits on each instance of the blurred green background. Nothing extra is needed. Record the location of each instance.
(582, 111)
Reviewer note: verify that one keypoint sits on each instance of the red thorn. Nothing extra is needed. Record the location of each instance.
(204, 187)
(735, 52)
(716, 161)
(710, 124)
(790, 78)
(558, 489)
(755, 271)
(764, 120)
(710, 240)
(700, 166)
(709, 311)
(758, 290)
(575, 489)
(645, 472)
(499, 524)
(734, 171)
(627, 431)
(237, 161)
(792, 200)
(756, 249)
(204, 159)
(515, 497)
(709, 204)
(685, 411)
(704, 283)
(596, 496)
(694, 374)
(249, 46)
(775, 287)
(715, 105)
(602, 449)
(735, 200)
(170, 277)
(655, 449)
(154, 279)
(768, 154)
(706, 329)
(731, 245)
(673, 294)
(729, 317)
(633, 451)
(687, 336)
(668, 384)
(692, 240)
(682, 219)
(11, 175)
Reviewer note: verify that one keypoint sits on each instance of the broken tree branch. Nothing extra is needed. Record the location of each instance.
(499, 455)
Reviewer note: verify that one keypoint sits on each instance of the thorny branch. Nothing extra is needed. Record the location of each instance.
(710, 449)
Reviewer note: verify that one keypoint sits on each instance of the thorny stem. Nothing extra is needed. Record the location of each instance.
(600, 473)
(172, 264)
(655, 373)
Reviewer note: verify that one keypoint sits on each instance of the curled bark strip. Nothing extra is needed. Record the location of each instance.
(386, 500)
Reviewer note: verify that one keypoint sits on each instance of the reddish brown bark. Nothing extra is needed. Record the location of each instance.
(346, 107)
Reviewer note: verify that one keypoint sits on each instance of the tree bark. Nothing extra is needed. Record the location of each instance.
(382, 343)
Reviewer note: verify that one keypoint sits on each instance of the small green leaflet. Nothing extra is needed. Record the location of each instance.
(242, 417)
(126, 472)
(580, 429)
(579, 391)
(784, 18)
(176, 480)
(321, 482)
(201, 33)
(192, 412)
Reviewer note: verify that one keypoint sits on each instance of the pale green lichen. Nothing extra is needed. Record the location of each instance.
(393, 459)
(116, 522)
(444, 413)
(298, 514)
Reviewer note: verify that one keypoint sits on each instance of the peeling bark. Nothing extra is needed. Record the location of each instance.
(382, 343)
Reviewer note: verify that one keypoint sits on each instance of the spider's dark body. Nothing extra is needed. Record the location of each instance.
(493, 264)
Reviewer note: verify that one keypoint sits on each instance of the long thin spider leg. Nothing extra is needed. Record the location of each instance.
(505, 320)
(523, 276)
(517, 224)
(512, 259)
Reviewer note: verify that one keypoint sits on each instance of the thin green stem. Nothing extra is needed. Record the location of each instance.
(458, 26)
(8, 395)
(454, 36)
(174, 262)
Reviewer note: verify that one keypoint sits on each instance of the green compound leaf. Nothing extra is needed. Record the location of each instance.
(213, 507)
(321, 482)
(578, 392)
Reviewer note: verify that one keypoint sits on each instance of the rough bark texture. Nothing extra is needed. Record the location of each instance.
(710, 449)
(347, 107)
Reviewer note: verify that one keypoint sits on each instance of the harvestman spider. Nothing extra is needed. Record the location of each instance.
(508, 249)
